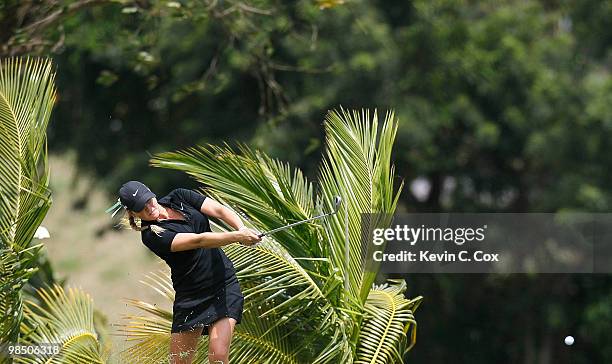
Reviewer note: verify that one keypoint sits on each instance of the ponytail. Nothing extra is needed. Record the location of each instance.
(128, 221)
(133, 223)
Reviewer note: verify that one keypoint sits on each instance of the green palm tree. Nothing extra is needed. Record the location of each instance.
(309, 292)
(27, 95)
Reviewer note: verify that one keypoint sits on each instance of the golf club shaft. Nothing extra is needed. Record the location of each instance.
(292, 225)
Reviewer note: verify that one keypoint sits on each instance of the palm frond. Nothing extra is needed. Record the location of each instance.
(266, 270)
(16, 268)
(266, 190)
(390, 316)
(66, 319)
(259, 340)
(357, 166)
(27, 94)
(283, 290)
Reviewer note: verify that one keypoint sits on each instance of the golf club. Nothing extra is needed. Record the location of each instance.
(337, 201)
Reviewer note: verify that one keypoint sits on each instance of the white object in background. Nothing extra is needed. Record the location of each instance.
(42, 233)
(420, 188)
(569, 340)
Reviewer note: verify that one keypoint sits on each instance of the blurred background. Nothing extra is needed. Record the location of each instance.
(503, 106)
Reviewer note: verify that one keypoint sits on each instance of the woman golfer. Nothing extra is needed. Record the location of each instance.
(208, 300)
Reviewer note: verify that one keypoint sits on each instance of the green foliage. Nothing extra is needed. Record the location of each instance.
(384, 337)
(502, 106)
(65, 319)
(211, 67)
(16, 269)
(502, 88)
(27, 94)
(513, 90)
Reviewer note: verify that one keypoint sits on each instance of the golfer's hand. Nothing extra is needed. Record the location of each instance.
(247, 237)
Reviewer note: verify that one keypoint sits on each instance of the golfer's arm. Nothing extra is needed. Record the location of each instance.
(189, 241)
(214, 209)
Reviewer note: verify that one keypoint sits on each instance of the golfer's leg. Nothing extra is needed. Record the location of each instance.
(220, 337)
(183, 345)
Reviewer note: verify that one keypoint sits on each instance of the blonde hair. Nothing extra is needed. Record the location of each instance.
(129, 222)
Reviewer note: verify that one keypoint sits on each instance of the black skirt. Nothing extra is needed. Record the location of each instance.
(205, 308)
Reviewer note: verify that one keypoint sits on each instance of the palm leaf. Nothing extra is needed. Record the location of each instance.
(65, 318)
(259, 340)
(27, 93)
(16, 268)
(272, 279)
(266, 190)
(268, 273)
(390, 316)
(357, 166)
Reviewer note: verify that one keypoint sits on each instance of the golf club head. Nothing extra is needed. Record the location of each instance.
(337, 202)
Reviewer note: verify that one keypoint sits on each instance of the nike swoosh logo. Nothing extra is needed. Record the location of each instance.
(135, 192)
(181, 206)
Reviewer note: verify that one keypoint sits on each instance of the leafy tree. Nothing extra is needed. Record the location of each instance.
(211, 69)
(36, 27)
